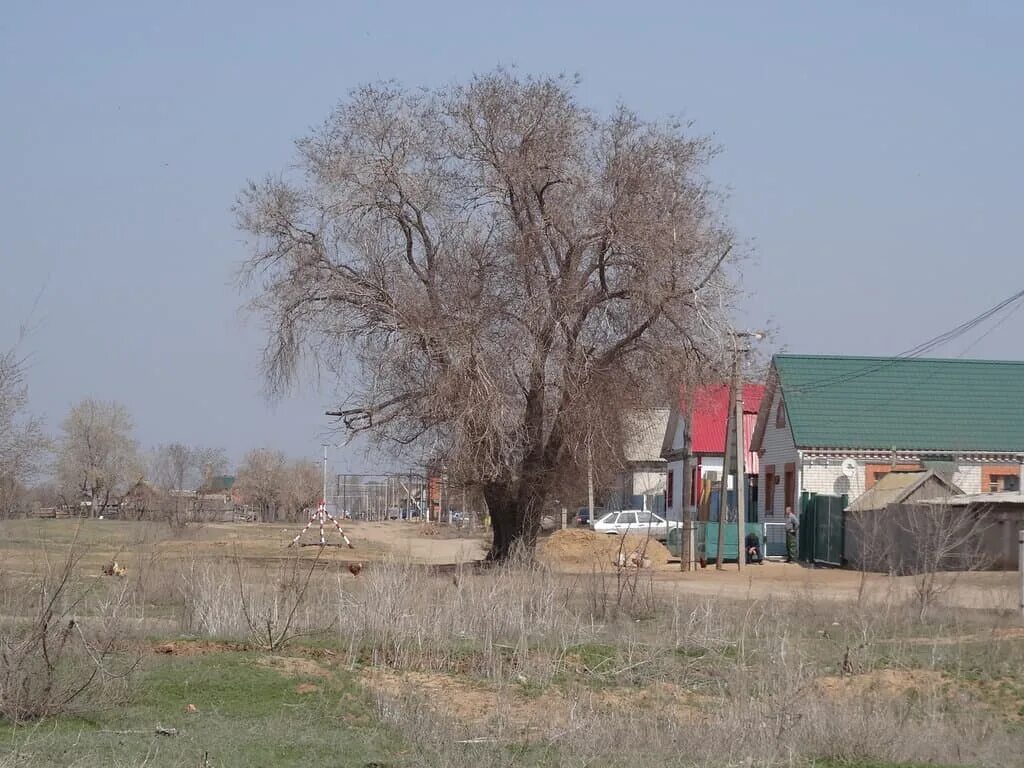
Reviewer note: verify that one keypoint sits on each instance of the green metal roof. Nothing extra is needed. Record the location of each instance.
(903, 403)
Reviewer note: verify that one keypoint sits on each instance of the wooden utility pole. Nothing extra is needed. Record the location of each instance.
(735, 449)
(590, 484)
(741, 477)
(686, 554)
(723, 495)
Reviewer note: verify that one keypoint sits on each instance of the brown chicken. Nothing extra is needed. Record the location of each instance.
(355, 568)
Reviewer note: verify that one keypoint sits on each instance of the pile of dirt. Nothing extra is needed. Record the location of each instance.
(581, 547)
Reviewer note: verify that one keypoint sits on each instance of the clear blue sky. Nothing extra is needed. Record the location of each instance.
(873, 155)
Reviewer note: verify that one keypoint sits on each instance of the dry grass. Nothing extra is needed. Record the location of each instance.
(523, 665)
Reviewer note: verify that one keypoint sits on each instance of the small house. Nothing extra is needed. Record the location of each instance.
(836, 425)
(707, 426)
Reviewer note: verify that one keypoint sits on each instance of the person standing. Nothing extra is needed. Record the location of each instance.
(792, 526)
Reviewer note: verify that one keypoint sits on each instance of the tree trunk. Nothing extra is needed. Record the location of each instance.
(515, 519)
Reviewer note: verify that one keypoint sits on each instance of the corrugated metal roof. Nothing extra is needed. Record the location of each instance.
(646, 436)
(710, 412)
(1001, 497)
(906, 404)
(896, 487)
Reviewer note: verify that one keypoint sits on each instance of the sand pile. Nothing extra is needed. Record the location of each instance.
(581, 547)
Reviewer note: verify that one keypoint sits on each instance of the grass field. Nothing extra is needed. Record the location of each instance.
(286, 657)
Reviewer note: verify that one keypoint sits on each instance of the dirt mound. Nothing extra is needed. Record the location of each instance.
(580, 547)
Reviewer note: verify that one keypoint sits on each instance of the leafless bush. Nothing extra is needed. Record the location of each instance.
(935, 543)
(270, 614)
(485, 623)
(267, 607)
(58, 657)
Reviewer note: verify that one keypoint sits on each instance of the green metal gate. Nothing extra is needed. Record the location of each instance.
(822, 526)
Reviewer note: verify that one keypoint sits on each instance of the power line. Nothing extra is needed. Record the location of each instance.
(920, 349)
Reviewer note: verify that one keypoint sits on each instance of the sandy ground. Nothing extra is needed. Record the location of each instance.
(25, 544)
(992, 591)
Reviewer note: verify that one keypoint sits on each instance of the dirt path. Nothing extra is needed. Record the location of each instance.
(992, 591)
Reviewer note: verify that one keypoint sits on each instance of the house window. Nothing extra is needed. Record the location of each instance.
(769, 489)
(999, 478)
(997, 483)
(668, 489)
(780, 415)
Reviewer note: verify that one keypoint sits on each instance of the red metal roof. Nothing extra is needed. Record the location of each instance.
(710, 412)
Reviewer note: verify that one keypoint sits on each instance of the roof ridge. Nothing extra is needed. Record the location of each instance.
(896, 358)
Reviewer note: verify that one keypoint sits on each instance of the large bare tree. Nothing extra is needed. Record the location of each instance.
(498, 275)
(22, 442)
(98, 458)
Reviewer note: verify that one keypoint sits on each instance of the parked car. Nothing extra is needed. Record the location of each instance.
(633, 521)
(583, 514)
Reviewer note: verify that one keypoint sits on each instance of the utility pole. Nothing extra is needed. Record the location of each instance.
(735, 449)
(741, 477)
(736, 439)
(324, 499)
(723, 494)
(590, 484)
(686, 555)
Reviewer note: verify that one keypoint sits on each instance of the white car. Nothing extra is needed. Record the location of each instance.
(633, 521)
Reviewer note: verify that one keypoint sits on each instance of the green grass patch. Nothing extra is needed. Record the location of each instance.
(249, 714)
(594, 657)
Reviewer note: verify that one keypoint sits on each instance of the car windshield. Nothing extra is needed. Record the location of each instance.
(627, 518)
(608, 518)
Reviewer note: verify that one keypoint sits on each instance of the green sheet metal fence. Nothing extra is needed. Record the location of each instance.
(707, 540)
(822, 528)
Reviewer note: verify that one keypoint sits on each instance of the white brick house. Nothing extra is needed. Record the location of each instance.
(835, 425)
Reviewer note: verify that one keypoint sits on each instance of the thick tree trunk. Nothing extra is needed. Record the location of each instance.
(515, 510)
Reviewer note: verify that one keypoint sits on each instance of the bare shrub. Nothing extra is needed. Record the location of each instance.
(936, 543)
(270, 614)
(62, 655)
(267, 607)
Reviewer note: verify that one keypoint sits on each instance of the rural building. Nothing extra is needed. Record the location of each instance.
(641, 483)
(903, 488)
(837, 425)
(707, 443)
(976, 531)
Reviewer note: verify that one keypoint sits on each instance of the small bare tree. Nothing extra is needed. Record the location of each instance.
(180, 472)
(302, 488)
(270, 606)
(936, 543)
(22, 442)
(98, 457)
(509, 273)
(261, 479)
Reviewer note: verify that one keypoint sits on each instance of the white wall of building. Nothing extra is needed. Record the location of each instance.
(825, 475)
(968, 478)
(778, 449)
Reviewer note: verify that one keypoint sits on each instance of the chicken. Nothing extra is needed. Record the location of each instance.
(355, 568)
